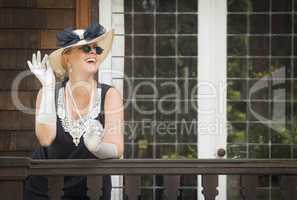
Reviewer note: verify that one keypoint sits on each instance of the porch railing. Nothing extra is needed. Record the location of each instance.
(14, 170)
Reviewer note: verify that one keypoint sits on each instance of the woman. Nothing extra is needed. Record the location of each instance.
(80, 118)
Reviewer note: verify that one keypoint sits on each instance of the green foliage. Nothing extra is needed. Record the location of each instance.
(234, 114)
(236, 136)
(283, 136)
(142, 144)
(236, 68)
(240, 5)
(191, 154)
(233, 95)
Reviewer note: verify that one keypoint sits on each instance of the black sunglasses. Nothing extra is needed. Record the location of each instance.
(87, 49)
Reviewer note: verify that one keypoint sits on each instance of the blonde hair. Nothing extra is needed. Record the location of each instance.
(61, 71)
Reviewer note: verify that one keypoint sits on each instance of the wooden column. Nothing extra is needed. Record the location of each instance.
(83, 13)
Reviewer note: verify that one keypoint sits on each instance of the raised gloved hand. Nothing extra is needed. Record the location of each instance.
(42, 70)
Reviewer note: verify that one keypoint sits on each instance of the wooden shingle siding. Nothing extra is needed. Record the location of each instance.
(17, 3)
(27, 98)
(55, 4)
(20, 18)
(7, 77)
(48, 39)
(57, 18)
(25, 27)
(37, 3)
(21, 121)
(19, 39)
(17, 141)
(13, 59)
(12, 18)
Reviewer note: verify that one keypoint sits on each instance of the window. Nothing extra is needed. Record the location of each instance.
(261, 76)
(160, 84)
(160, 40)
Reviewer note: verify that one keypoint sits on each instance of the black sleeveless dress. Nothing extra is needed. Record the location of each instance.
(75, 187)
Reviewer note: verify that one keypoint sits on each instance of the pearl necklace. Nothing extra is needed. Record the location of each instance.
(79, 127)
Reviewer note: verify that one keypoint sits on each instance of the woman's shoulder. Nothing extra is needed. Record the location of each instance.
(105, 89)
(113, 94)
(104, 85)
(109, 91)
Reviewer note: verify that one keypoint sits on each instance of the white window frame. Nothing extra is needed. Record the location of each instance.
(112, 69)
(212, 76)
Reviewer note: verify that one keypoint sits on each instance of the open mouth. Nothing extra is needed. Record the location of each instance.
(91, 60)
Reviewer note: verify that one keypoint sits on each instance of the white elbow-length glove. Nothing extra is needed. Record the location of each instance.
(93, 141)
(44, 72)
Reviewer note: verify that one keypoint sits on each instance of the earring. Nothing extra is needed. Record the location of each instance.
(70, 68)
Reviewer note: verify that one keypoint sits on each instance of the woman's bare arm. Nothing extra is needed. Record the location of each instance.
(114, 120)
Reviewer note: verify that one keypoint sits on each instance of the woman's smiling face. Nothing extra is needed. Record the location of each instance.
(84, 59)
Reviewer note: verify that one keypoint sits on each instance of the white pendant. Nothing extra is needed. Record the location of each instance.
(76, 133)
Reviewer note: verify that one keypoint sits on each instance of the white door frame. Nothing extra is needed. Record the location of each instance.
(212, 61)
